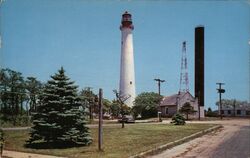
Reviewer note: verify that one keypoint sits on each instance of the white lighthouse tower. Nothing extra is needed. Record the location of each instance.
(127, 73)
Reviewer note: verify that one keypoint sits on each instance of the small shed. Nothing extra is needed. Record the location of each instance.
(171, 104)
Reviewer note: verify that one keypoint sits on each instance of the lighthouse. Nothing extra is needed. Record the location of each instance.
(127, 73)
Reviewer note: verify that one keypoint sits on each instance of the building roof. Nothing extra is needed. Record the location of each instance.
(172, 100)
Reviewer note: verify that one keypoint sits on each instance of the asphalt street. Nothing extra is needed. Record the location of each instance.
(238, 146)
(231, 141)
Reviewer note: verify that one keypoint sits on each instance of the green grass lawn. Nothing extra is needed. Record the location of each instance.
(118, 142)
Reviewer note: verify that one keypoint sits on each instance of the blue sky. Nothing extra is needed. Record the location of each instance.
(40, 36)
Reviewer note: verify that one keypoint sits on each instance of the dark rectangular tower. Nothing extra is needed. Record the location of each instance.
(199, 64)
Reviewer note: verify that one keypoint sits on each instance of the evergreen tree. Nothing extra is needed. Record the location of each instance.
(187, 109)
(60, 117)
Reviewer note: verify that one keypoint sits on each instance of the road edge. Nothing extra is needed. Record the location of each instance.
(175, 143)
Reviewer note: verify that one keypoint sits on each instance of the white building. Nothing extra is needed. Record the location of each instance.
(171, 104)
(237, 110)
(127, 74)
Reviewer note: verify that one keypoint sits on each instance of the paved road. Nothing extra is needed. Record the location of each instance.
(232, 141)
(236, 146)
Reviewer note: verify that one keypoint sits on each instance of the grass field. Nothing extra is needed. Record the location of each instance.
(118, 142)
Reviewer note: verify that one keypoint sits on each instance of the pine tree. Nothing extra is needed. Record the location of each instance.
(187, 109)
(60, 117)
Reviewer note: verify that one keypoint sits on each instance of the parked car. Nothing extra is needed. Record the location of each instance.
(107, 116)
(126, 119)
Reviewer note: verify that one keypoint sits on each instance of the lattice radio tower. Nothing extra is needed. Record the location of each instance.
(184, 84)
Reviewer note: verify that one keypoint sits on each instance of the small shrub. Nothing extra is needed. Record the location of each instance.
(211, 113)
(178, 119)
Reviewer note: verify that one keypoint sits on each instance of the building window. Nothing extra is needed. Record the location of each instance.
(247, 112)
(238, 112)
(229, 112)
(166, 111)
(222, 112)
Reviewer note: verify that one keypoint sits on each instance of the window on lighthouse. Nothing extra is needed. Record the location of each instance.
(130, 82)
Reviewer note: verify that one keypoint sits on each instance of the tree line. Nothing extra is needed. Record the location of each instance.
(20, 96)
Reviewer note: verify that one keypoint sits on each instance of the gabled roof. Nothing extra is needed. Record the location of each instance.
(172, 100)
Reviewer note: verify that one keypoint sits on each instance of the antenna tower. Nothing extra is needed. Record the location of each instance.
(184, 84)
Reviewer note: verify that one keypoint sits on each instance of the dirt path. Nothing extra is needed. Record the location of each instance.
(232, 141)
(15, 154)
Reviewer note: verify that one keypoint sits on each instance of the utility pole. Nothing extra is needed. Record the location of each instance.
(159, 81)
(199, 109)
(220, 90)
(100, 130)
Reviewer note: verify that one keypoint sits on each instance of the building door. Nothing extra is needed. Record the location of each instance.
(166, 111)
